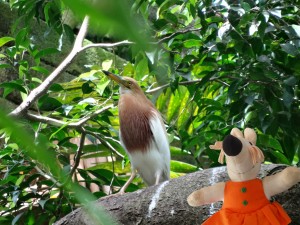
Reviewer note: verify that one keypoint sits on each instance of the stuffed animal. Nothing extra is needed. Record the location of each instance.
(246, 199)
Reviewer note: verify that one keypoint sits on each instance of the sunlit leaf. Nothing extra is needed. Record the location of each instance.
(275, 12)
(181, 167)
(4, 40)
(296, 29)
(290, 49)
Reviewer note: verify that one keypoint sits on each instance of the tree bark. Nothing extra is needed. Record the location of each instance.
(166, 203)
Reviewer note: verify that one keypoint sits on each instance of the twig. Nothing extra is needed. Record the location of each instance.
(106, 45)
(59, 123)
(185, 83)
(78, 154)
(47, 176)
(105, 143)
(151, 91)
(176, 33)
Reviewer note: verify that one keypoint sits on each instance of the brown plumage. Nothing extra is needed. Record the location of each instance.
(142, 133)
(140, 109)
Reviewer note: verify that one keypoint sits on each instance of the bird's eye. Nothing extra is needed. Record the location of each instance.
(129, 83)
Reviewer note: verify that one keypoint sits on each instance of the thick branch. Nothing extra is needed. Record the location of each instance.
(166, 203)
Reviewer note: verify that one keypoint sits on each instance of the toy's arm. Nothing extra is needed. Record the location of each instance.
(207, 195)
(281, 181)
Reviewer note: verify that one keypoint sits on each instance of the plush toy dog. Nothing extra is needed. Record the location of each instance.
(245, 198)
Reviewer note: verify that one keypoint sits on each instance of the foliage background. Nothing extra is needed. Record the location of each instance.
(208, 66)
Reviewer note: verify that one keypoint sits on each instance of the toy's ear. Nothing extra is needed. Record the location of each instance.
(237, 133)
(250, 135)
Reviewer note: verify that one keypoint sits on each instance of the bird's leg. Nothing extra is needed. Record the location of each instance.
(125, 186)
(158, 175)
(128, 182)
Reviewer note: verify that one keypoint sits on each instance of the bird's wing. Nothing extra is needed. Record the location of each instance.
(161, 140)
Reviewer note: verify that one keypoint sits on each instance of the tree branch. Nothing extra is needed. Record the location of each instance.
(78, 154)
(178, 32)
(166, 203)
(59, 123)
(47, 176)
(185, 83)
(44, 86)
(151, 91)
(105, 143)
(107, 45)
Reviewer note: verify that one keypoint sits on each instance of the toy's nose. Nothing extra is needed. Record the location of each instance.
(232, 146)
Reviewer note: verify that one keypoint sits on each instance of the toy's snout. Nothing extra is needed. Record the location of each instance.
(232, 146)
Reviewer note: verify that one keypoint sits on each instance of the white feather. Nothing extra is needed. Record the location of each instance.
(156, 160)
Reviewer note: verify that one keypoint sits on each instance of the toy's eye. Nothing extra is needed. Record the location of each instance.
(250, 143)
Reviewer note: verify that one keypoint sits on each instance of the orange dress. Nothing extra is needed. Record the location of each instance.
(245, 203)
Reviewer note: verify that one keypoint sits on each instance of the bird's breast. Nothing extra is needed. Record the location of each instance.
(135, 127)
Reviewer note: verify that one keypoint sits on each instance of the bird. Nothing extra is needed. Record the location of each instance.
(142, 133)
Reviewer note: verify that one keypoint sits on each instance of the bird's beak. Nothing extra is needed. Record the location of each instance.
(116, 78)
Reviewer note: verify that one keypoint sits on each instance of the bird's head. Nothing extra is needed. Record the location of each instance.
(127, 84)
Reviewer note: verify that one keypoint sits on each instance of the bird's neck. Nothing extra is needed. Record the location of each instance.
(132, 101)
(135, 114)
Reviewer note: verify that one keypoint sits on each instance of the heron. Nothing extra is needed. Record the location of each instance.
(142, 134)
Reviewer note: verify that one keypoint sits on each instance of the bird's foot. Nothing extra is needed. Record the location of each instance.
(119, 193)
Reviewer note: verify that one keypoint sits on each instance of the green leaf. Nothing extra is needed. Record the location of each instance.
(5, 65)
(192, 43)
(16, 218)
(170, 17)
(296, 29)
(246, 6)
(56, 87)
(46, 11)
(20, 180)
(106, 65)
(21, 38)
(291, 81)
(214, 19)
(69, 32)
(182, 167)
(280, 157)
(45, 52)
(290, 49)
(100, 87)
(5, 40)
(86, 88)
(288, 98)
(269, 142)
(275, 12)
(141, 69)
(40, 69)
(233, 88)
(48, 103)
(118, 167)
(11, 86)
(42, 202)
